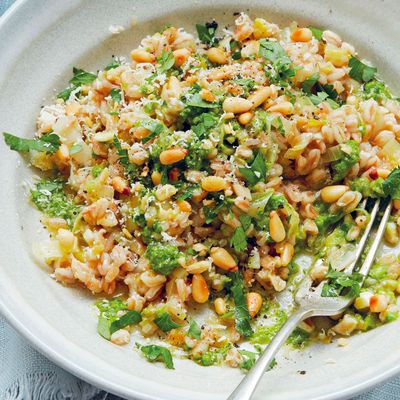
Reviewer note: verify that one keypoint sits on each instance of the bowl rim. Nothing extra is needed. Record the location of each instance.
(29, 328)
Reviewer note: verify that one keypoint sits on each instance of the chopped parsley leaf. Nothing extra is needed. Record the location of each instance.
(317, 33)
(109, 319)
(249, 359)
(81, 77)
(165, 322)
(154, 353)
(165, 61)
(207, 32)
(242, 316)
(115, 63)
(239, 238)
(350, 157)
(115, 94)
(48, 143)
(194, 330)
(340, 283)
(257, 171)
(391, 185)
(361, 72)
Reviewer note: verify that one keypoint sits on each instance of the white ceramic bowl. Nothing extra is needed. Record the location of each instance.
(40, 41)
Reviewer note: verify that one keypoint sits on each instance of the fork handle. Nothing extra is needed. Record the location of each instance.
(247, 386)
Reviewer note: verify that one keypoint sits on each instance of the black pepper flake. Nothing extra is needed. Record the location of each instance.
(302, 372)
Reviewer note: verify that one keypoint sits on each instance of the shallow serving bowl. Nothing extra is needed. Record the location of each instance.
(40, 42)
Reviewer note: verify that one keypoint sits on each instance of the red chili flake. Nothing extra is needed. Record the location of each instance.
(272, 252)
(373, 174)
(173, 175)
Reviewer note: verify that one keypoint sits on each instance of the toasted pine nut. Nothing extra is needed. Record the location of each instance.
(396, 204)
(346, 199)
(213, 183)
(200, 248)
(285, 108)
(216, 55)
(156, 178)
(207, 95)
(287, 254)
(142, 56)
(222, 259)
(245, 118)
(184, 206)
(181, 55)
(220, 306)
(378, 303)
(259, 96)
(140, 133)
(330, 194)
(254, 303)
(276, 228)
(198, 267)
(301, 35)
(237, 105)
(200, 291)
(172, 156)
(120, 185)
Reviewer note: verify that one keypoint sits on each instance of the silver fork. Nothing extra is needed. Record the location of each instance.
(311, 304)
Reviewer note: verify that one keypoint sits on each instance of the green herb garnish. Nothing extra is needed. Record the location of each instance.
(207, 32)
(361, 72)
(109, 319)
(165, 61)
(239, 238)
(317, 33)
(391, 185)
(257, 171)
(350, 157)
(340, 283)
(115, 94)
(194, 330)
(242, 316)
(50, 198)
(48, 143)
(81, 77)
(163, 258)
(165, 322)
(157, 353)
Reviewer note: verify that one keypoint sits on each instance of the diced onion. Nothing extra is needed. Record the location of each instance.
(332, 154)
(392, 151)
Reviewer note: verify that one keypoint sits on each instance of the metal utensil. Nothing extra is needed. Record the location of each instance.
(311, 304)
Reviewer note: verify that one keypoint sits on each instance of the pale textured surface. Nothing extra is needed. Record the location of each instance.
(21, 360)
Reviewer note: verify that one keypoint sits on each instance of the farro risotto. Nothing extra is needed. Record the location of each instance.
(197, 174)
